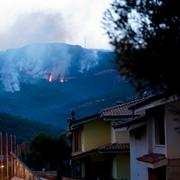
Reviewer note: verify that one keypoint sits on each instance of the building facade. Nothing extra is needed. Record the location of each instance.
(155, 139)
(99, 151)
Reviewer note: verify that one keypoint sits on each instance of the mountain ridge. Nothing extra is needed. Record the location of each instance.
(25, 129)
(90, 82)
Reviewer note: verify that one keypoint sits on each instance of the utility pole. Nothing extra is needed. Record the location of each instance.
(12, 156)
(7, 157)
(2, 157)
(15, 152)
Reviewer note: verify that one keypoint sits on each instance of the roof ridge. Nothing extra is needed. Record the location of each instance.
(121, 105)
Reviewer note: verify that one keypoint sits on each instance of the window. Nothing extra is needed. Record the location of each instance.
(77, 140)
(77, 169)
(159, 126)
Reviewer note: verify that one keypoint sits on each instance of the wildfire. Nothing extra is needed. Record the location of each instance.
(62, 79)
(50, 78)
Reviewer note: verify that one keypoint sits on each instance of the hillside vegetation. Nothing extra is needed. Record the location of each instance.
(24, 129)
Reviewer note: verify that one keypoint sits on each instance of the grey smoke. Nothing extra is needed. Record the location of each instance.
(35, 64)
(89, 60)
(38, 61)
(37, 28)
(9, 77)
(34, 28)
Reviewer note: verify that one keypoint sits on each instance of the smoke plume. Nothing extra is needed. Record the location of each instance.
(35, 28)
(41, 59)
(38, 61)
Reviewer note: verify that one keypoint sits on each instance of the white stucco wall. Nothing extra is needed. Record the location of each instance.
(139, 147)
(114, 168)
(146, 144)
(172, 121)
(120, 135)
(113, 135)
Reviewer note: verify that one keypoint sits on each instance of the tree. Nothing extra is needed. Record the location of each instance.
(145, 35)
(47, 152)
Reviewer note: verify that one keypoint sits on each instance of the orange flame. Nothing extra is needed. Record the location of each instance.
(62, 79)
(50, 78)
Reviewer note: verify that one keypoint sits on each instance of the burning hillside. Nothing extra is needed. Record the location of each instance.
(44, 61)
(39, 70)
(53, 78)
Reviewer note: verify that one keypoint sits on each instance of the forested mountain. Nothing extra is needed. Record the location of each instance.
(45, 82)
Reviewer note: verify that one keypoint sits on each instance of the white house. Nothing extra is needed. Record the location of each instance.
(155, 139)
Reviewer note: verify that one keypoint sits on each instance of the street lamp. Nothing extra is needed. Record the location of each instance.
(2, 166)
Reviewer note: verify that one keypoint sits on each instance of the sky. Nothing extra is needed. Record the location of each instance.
(79, 22)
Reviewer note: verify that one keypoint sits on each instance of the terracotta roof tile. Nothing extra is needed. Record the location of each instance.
(130, 121)
(121, 109)
(152, 158)
(114, 147)
(146, 100)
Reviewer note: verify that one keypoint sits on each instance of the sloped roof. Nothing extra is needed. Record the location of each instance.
(114, 147)
(130, 121)
(152, 158)
(117, 111)
(108, 148)
(121, 109)
(78, 122)
(146, 100)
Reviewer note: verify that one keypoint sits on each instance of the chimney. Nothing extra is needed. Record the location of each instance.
(73, 115)
(71, 120)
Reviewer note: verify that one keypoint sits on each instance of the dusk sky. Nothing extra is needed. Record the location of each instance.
(70, 21)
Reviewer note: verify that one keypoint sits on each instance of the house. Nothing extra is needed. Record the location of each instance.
(154, 139)
(98, 150)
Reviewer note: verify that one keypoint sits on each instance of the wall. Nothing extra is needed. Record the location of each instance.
(138, 147)
(122, 136)
(121, 167)
(172, 122)
(94, 134)
(22, 171)
(113, 135)
(114, 168)
(119, 135)
(76, 140)
(173, 169)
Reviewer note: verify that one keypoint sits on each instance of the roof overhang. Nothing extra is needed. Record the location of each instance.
(153, 160)
(115, 118)
(137, 125)
(78, 155)
(131, 123)
(115, 148)
(122, 118)
(77, 123)
(153, 102)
